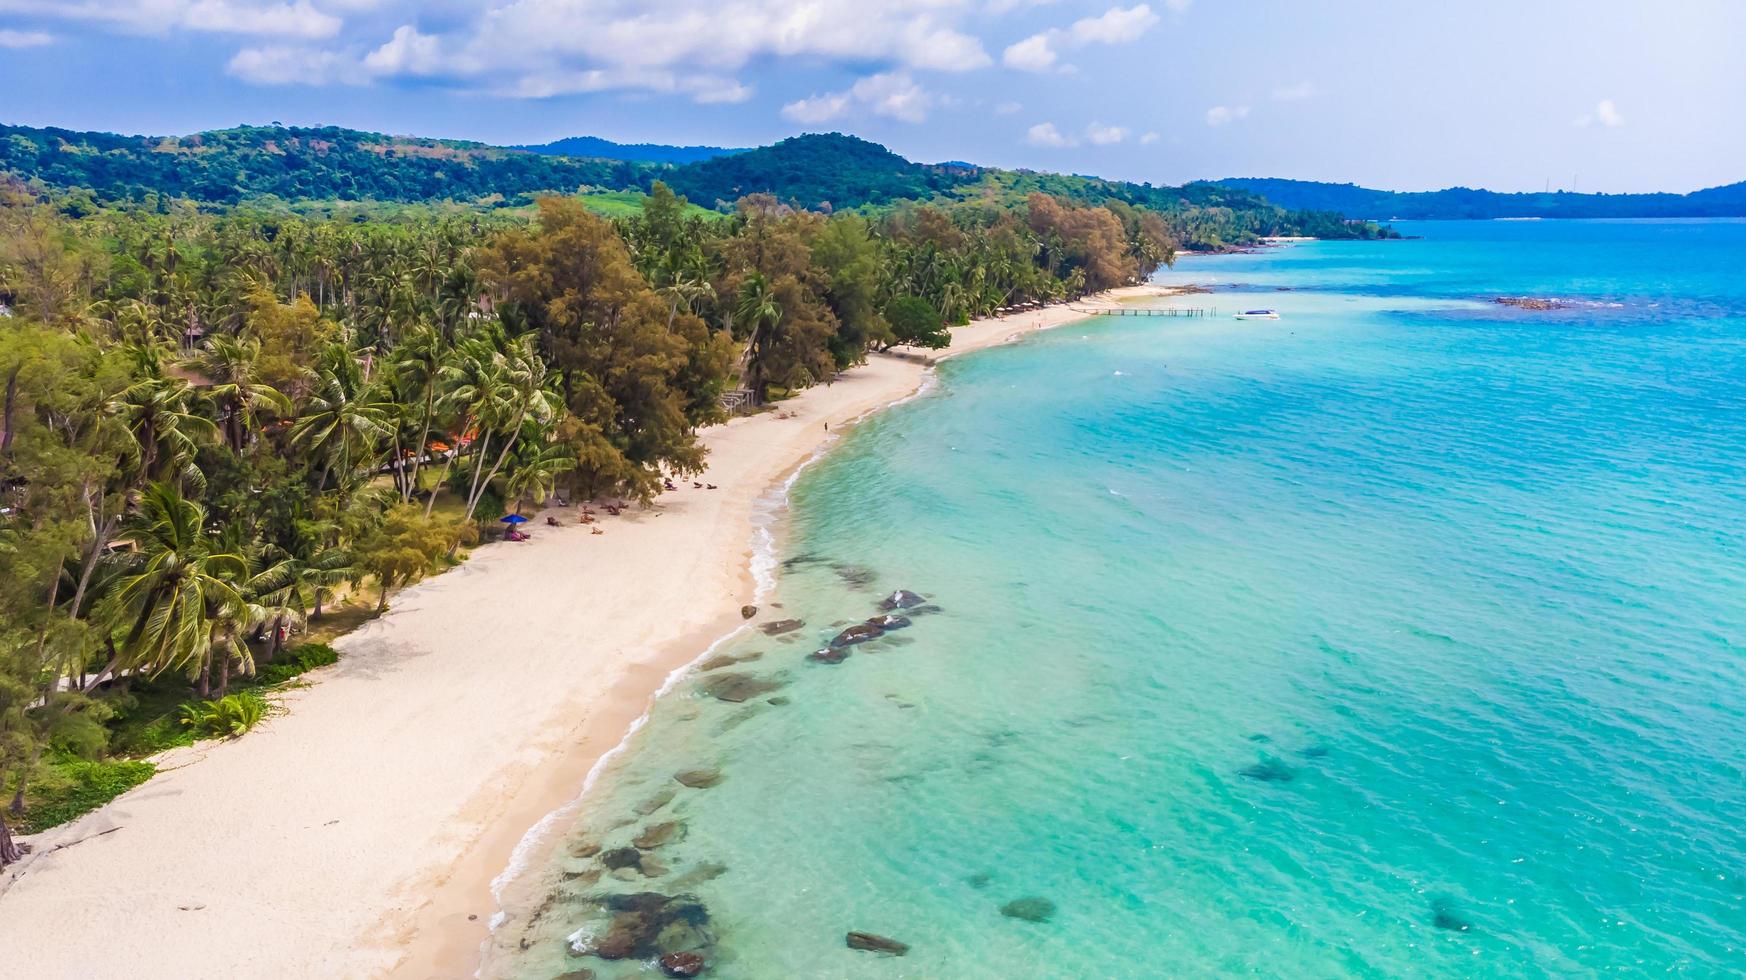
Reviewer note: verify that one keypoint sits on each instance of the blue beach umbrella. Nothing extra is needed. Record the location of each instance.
(513, 519)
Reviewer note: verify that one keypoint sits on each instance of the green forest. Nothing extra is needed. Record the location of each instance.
(315, 170)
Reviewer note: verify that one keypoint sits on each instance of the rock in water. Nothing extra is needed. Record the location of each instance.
(682, 964)
(876, 944)
(748, 611)
(622, 857)
(829, 655)
(901, 599)
(1031, 908)
(782, 626)
(1269, 770)
(698, 778)
(889, 622)
(858, 633)
(660, 835)
(1445, 916)
(735, 688)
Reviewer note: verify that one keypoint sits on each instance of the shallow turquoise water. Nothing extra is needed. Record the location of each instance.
(1405, 635)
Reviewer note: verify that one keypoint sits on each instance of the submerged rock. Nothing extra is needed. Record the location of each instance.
(584, 849)
(980, 880)
(782, 626)
(735, 688)
(1268, 770)
(660, 835)
(829, 655)
(901, 599)
(656, 802)
(1445, 916)
(698, 778)
(778, 701)
(621, 857)
(1031, 908)
(858, 633)
(927, 609)
(682, 964)
(575, 975)
(705, 871)
(855, 576)
(874, 943)
(1315, 752)
(748, 611)
(648, 924)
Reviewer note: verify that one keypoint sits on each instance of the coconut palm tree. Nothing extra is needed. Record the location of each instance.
(159, 415)
(171, 593)
(346, 419)
(761, 314)
(230, 365)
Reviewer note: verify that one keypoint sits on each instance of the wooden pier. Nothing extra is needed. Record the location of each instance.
(1143, 311)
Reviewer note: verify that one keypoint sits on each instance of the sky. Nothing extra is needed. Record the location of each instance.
(1600, 95)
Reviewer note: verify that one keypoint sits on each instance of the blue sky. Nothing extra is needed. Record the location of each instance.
(1602, 95)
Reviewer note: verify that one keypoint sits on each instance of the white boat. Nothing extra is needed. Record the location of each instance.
(1258, 315)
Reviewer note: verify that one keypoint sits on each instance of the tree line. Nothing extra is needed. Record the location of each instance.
(212, 423)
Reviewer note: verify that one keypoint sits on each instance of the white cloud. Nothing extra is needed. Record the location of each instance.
(1605, 113)
(280, 65)
(298, 19)
(1300, 92)
(1220, 115)
(1150, 138)
(1116, 25)
(1100, 135)
(25, 39)
(1007, 108)
(893, 94)
(1178, 6)
(818, 108)
(1045, 134)
(1042, 52)
(407, 53)
(1034, 53)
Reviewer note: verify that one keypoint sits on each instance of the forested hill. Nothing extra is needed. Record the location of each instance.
(296, 164)
(824, 172)
(1353, 201)
(600, 149)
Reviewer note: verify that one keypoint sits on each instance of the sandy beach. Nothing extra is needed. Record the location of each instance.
(356, 832)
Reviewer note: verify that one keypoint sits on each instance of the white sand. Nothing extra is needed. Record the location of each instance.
(356, 833)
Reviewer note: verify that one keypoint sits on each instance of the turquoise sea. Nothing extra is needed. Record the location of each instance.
(1402, 636)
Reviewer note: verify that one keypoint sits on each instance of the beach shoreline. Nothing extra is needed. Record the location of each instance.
(486, 697)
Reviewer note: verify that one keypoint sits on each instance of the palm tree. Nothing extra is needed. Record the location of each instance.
(159, 416)
(230, 366)
(418, 366)
(762, 315)
(524, 399)
(346, 419)
(173, 591)
(536, 476)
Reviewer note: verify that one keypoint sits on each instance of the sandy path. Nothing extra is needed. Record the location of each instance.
(355, 833)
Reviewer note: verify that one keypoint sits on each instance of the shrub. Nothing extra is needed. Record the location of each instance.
(70, 788)
(299, 661)
(227, 717)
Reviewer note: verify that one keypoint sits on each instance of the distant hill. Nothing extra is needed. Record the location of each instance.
(297, 164)
(313, 168)
(1353, 201)
(817, 171)
(601, 149)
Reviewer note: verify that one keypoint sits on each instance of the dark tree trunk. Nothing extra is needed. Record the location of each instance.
(382, 603)
(16, 807)
(10, 851)
(274, 643)
(11, 409)
(320, 594)
(224, 676)
(205, 688)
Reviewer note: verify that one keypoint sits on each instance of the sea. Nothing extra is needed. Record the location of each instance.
(1401, 636)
